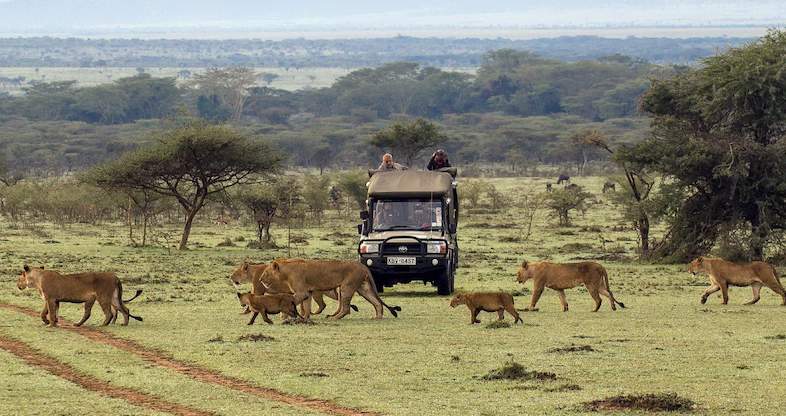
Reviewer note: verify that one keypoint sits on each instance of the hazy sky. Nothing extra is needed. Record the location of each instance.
(84, 16)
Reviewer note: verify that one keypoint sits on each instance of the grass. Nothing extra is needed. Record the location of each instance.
(429, 361)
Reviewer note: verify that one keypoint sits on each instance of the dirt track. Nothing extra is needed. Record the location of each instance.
(37, 359)
(196, 372)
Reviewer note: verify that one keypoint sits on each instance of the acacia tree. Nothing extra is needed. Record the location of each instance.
(266, 201)
(230, 85)
(718, 139)
(637, 186)
(408, 139)
(190, 164)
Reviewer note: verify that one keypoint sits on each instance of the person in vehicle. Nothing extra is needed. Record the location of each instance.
(388, 164)
(438, 160)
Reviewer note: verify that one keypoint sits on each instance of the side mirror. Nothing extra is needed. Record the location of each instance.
(364, 215)
(452, 228)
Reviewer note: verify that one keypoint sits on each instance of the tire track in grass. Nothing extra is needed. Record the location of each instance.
(38, 359)
(198, 373)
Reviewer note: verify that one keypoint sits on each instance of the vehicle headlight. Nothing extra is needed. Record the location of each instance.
(436, 247)
(368, 247)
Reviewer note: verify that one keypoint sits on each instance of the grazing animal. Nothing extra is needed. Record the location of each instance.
(304, 277)
(563, 178)
(567, 276)
(609, 186)
(252, 273)
(84, 288)
(549, 187)
(573, 187)
(498, 302)
(724, 273)
(268, 304)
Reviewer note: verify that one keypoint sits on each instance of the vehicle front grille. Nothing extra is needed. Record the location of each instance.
(395, 249)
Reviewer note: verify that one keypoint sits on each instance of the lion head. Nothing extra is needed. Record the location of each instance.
(525, 272)
(696, 266)
(459, 299)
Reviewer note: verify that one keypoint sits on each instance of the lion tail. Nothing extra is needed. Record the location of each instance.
(393, 309)
(136, 295)
(608, 288)
(122, 302)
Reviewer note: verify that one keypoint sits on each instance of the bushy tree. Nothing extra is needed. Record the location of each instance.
(718, 140)
(563, 201)
(408, 140)
(266, 201)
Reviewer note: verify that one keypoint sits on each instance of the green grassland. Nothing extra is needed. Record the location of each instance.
(728, 359)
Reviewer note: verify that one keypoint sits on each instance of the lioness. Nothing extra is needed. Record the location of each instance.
(498, 302)
(268, 303)
(567, 276)
(304, 277)
(84, 288)
(725, 273)
(252, 273)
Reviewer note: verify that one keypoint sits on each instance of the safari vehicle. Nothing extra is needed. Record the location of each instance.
(408, 231)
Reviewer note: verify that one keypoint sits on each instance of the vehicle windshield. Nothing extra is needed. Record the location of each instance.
(421, 215)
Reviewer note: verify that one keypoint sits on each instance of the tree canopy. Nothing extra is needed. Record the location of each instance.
(190, 164)
(718, 141)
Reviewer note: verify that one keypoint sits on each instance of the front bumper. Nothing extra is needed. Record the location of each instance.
(424, 265)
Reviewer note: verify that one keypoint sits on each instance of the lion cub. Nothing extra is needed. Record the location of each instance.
(498, 302)
(268, 304)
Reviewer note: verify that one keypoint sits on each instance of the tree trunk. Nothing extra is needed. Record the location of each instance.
(758, 235)
(144, 230)
(187, 229)
(130, 221)
(644, 235)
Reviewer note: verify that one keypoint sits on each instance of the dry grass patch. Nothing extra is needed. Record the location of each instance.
(661, 402)
(515, 371)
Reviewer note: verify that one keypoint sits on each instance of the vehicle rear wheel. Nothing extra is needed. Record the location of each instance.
(445, 282)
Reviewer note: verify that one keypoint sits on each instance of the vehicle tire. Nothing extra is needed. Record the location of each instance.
(445, 282)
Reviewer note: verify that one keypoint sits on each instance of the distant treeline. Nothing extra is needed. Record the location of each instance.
(519, 108)
(346, 53)
(508, 81)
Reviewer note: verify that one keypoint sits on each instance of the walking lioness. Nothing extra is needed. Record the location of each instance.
(252, 273)
(304, 277)
(567, 276)
(498, 302)
(84, 288)
(725, 273)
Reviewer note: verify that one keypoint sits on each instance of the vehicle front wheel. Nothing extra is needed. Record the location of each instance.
(445, 282)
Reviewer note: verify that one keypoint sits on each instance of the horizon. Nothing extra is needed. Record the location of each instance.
(245, 19)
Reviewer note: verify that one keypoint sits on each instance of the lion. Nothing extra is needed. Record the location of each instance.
(84, 288)
(304, 277)
(498, 302)
(567, 276)
(268, 303)
(252, 273)
(724, 273)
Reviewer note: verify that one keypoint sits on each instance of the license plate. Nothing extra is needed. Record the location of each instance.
(401, 261)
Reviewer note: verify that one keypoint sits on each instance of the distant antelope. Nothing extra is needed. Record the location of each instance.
(563, 178)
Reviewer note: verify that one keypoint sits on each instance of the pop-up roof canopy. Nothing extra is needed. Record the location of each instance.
(409, 183)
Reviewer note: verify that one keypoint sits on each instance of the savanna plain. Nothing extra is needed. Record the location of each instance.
(727, 359)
